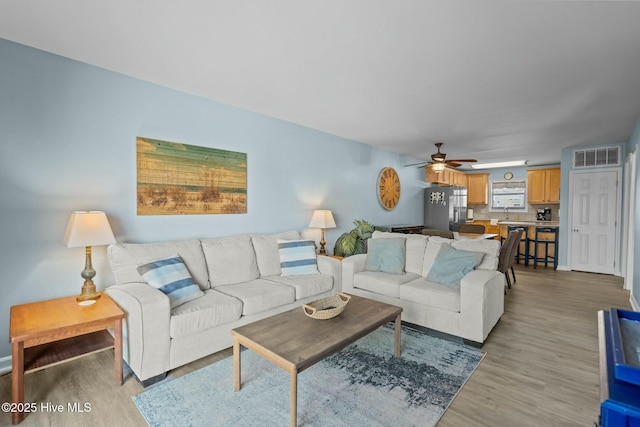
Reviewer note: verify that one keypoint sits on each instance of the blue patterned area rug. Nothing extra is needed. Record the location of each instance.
(362, 385)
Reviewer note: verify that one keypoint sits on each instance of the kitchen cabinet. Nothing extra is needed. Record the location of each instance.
(436, 178)
(477, 188)
(543, 186)
(447, 177)
(459, 178)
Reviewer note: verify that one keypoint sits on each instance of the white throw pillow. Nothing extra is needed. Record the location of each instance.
(297, 257)
(171, 277)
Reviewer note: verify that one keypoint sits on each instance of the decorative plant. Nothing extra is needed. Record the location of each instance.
(355, 241)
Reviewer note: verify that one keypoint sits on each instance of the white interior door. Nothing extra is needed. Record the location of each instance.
(594, 202)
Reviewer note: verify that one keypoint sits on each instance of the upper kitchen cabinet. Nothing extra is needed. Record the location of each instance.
(544, 186)
(459, 178)
(477, 188)
(447, 177)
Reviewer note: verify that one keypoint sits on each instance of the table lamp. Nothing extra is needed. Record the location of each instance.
(322, 219)
(88, 228)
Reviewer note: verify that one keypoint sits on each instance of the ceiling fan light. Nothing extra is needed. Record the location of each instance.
(438, 167)
(499, 164)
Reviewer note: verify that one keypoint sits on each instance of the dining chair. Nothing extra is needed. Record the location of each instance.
(471, 228)
(434, 232)
(507, 255)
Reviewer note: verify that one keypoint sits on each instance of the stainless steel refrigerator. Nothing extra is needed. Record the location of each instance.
(445, 208)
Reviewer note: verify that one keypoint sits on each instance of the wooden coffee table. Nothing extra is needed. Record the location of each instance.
(294, 341)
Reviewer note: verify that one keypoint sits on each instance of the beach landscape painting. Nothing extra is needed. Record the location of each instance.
(181, 179)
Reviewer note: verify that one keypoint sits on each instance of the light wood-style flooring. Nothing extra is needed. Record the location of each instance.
(541, 367)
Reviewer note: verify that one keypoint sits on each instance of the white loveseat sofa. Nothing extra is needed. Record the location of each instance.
(469, 309)
(241, 280)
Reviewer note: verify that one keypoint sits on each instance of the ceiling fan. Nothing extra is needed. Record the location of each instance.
(439, 161)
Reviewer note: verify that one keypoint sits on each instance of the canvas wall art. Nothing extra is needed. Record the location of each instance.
(181, 179)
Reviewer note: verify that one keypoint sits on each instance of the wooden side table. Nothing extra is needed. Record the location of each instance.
(47, 333)
(339, 258)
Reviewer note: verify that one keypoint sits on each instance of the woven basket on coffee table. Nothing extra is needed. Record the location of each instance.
(327, 308)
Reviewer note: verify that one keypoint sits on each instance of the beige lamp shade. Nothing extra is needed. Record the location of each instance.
(88, 228)
(322, 219)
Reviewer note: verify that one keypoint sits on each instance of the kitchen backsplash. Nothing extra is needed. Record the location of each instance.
(481, 212)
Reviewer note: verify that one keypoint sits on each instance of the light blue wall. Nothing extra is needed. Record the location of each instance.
(67, 142)
(634, 145)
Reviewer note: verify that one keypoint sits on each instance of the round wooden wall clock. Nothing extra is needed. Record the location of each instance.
(388, 188)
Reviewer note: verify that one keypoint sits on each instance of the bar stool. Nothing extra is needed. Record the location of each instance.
(546, 242)
(521, 256)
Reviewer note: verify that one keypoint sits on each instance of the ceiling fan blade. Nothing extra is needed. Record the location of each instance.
(416, 164)
(463, 160)
(453, 164)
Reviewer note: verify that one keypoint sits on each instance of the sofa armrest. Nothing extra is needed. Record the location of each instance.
(481, 302)
(333, 267)
(146, 340)
(350, 267)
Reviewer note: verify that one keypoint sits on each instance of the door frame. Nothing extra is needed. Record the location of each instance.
(616, 256)
(628, 216)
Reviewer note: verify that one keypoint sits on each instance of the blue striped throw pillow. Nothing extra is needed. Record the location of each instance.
(171, 277)
(297, 257)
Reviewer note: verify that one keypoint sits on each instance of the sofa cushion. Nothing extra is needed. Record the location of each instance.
(125, 258)
(171, 277)
(305, 285)
(266, 249)
(491, 249)
(451, 265)
(432, 294)
(414, 249)
(382, 283)
(386, 255)
(211, 310)
(297, 257)
(259, 295)
(230, 260)
(431, 252)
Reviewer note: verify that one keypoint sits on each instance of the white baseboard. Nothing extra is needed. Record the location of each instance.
(5, 365)
(562, 268)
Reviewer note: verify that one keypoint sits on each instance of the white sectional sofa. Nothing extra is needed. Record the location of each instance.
(469, 309)
(241, 282)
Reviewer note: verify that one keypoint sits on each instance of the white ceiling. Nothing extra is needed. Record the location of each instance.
(494, 80)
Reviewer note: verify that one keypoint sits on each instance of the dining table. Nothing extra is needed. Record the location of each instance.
(474, 236)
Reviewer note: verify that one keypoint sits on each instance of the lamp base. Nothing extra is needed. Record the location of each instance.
(322, 243)
(89, 288)
(88, 292)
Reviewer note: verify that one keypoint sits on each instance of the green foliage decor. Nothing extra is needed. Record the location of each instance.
(355, 241)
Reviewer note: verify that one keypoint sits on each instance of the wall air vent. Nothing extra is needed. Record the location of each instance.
(605, 156)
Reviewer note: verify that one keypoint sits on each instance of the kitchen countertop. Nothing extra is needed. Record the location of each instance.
(529, 223)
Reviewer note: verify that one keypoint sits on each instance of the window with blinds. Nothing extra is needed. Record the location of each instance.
(508, 195)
